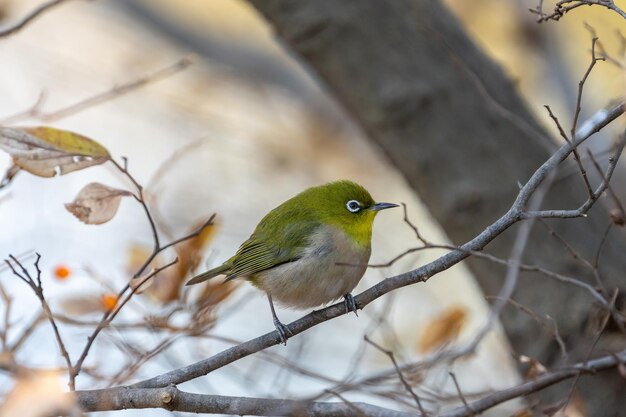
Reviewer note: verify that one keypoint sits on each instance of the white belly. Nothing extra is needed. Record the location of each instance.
(330, 268)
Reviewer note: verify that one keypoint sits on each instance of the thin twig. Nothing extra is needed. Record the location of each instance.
(406, 384)
(565, 6)
(542, 381)
(109, 316)
(30, 16)
(458, 390)
(112, 93)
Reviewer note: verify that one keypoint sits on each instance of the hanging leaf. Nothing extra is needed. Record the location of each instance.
(96, 203)
(46, 152)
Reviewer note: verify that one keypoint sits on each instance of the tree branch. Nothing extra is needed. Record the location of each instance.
(537, 384)
(171, 398)
(32, 15)
(421, 274)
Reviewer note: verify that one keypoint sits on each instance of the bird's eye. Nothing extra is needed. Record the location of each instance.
(353, 206)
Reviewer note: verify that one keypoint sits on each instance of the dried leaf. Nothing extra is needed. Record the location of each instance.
(535, 368)
(38, 394)
(215, 292)
(45, 151)
(621, 368)
(76, 306)
(136, 256)
(96, 203)
(525, 412)
(166, 286)
(443, 329)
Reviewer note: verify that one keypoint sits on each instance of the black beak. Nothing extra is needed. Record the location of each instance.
(382, 206)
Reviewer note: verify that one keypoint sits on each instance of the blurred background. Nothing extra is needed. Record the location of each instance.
(240, 130)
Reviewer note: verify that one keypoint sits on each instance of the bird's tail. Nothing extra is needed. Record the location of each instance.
(209, 274)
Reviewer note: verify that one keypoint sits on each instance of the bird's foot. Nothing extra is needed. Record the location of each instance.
(282, 331)
(350, 304)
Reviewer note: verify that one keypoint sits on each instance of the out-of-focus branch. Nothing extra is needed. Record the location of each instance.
(537, 384)
(29, 17)
(35, 111)
(35, 285)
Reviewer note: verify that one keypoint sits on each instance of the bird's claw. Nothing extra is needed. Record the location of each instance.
(350, 304)
(282, 331)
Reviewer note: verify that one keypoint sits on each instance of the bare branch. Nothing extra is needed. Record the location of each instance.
(171, 398)
(539, 383)
(32, 15)
(564, 6)
(100, 98)
(408, 387)
(461, 396)
(35, 285)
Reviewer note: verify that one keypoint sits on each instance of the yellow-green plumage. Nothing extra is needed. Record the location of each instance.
(310, 250)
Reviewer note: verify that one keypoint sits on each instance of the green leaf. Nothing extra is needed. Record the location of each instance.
(46, 151)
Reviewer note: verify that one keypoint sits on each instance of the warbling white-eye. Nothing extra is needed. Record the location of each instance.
(310, 250)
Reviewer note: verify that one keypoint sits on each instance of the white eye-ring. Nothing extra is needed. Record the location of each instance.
(353, 206)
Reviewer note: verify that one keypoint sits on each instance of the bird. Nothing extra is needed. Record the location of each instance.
(309, 251)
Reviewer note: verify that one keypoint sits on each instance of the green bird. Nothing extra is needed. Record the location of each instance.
(310, 250)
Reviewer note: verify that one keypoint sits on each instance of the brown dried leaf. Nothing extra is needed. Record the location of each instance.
(136, 256)
(46, 152)
(215, 292)
(525, 412)
(38, 394)
(443, 329)
(535, 368)
(96, 203)
(82, 304)
(166, 286)
(617, 217)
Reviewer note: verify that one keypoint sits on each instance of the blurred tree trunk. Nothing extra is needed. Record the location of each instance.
(453, 124)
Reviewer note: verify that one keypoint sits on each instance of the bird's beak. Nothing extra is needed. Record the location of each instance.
(382, 206)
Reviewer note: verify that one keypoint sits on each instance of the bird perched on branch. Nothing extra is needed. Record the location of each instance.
(310, 250)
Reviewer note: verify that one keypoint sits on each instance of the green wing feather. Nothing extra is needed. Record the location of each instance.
(276, 241)
(281, 237)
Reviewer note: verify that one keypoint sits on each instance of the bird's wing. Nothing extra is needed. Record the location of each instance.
(271, 245)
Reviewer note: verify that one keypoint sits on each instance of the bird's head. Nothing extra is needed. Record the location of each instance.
(347, 206)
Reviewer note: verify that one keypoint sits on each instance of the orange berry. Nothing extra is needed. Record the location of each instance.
(62, 272)
(109, 301)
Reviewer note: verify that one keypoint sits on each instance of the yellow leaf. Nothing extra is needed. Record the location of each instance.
(443, 329)
(96, 203)
(46, 151)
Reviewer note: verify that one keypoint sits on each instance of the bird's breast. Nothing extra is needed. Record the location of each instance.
(330, 266)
